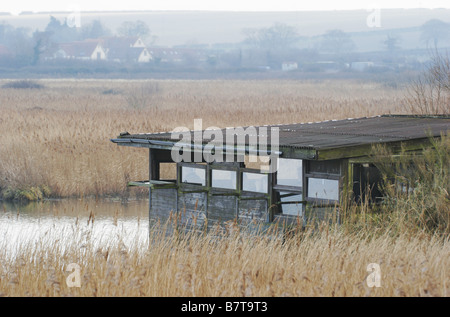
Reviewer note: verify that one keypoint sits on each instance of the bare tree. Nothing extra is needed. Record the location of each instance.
(94, 30)
(430, 92)
(391, 43)
(270, 45)
(337, 42)
(279, 36)
(134, 28)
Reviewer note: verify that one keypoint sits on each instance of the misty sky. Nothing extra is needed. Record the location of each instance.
(18, 6)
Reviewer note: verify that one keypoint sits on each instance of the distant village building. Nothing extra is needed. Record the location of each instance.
(126, 49)
(122, 41)
(178, 55)
(81, 50)
(361, 66)
(129, 54)
(166, 54)
(287, 66)
(325, 66)
(117, 49)
(140, 55)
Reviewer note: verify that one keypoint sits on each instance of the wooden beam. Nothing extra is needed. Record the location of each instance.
(272, 181)
(254, 198)
(298, 153)
(345, 184)
(285, 188)
(150, 177)
(367, 149)
(155, 184)
(305, 169)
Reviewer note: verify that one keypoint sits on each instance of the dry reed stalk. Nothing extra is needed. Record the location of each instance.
(59, 136)
(331, 262)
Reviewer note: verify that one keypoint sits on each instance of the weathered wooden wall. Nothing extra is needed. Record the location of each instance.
(191, 207)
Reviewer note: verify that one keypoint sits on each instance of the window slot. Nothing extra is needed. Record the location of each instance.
(289, 172)
(223, 179)
(254, 182)
(192, 175)
(321, 188)
(291, 204)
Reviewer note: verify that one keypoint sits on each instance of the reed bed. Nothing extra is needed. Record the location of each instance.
(324, 262)
(56, 143)
(55, 139)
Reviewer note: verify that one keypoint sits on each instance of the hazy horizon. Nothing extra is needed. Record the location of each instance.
(208, 27)
(230, 5)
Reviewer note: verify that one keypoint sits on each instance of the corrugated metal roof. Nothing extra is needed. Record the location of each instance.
(339, 133)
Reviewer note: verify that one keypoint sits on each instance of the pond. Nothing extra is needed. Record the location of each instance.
(80, 221)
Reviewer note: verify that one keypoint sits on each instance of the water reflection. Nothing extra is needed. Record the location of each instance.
(96, 223)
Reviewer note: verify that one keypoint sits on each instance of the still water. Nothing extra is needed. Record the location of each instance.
(69, 221)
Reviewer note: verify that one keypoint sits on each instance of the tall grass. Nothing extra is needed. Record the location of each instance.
(57, 137)
(329, 262)
(417, 188)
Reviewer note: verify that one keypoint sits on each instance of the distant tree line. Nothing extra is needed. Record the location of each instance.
(280, 42)
(262, 47)
(26, 46)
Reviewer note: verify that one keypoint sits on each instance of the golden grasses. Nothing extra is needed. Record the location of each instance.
(329, 262)
(58, 137)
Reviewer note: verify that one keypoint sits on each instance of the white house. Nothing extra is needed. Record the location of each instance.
(361, 66)
(126, 49)
(84, 50)
(286, 66)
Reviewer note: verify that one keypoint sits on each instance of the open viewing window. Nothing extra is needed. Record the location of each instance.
(223, 179)
(323, 188)
(290, 186)
(291, 204)
(323, 180)
(168, 171)
(289, 172)
(254, 182)
(193, 175)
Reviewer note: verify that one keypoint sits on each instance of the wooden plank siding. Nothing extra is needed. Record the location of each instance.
(329, 151)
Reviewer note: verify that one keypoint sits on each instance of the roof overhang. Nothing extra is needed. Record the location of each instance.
(327, 140)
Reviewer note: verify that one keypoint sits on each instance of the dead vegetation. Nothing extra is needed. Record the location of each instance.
(328, 262)
(430, 92)
(58, 137)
